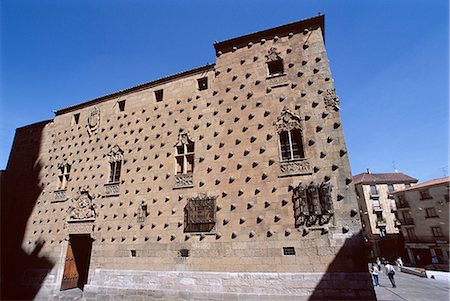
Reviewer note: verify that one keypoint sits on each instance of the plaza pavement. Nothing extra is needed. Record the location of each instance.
(412, 288)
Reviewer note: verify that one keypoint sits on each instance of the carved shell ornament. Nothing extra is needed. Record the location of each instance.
(331, 99)
(115, 154)
(288, 121)
(93, 121)
(273, 55)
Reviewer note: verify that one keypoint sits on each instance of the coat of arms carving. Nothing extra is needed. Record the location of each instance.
(93, 121)
(82, 206)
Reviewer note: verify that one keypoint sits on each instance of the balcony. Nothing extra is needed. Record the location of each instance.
(407, 222)
(111, 189)
(381, 223)
(393, 206)
(427, 239)
(374, 196)
(377, 206)
(403, 205)
(60, 196)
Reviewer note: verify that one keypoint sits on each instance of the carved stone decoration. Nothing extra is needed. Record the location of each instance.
(111, 189)
(142, 212)
(93, 121)
(331, 99)
(82, 206)
(183, 180)
(288, 121)
(313, 206)
(183, 138)
(273, 55)
(298, 167)
(60, 196)
(200, 213)
(115, 154)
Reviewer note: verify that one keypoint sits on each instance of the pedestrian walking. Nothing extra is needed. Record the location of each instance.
(379, 263)
(390, 272)
(375, 271)
(399, 263)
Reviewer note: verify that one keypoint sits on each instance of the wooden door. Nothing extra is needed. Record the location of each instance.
(70, 276)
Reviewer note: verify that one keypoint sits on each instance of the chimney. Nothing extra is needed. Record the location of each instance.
(368, 171)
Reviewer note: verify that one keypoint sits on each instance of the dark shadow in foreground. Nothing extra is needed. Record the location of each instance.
(22, 272)
(347, 277)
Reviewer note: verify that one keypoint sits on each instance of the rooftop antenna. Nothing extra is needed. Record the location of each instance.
(393, 166)
(444, 170)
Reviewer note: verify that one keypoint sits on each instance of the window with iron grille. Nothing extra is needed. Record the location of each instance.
(200, 214)
(159, 95)
(202, 83)
(288, 251)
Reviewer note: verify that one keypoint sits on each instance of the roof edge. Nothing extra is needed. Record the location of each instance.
(134, 89)
(295, 27)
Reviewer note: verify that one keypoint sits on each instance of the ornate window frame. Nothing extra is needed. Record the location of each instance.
(275, 63)
(115, 165)
(184, 160)
(291, 124)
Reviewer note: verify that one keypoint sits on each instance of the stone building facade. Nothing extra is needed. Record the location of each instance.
(227, 181)
(424, 218)
(378, 212)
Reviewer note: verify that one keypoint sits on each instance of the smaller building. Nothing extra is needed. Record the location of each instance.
(379, 212)
(424, 216)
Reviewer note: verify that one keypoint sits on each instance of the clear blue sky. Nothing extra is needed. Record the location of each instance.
(389, 60)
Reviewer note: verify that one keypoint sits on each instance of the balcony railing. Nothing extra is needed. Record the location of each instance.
(381, 223)
(407, 222)
(427, 239)
(403, 205)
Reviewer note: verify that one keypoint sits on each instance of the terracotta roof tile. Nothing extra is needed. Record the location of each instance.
(383, 178)
(429, 183)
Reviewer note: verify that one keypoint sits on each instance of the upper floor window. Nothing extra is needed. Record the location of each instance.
(121, 105)
(202, 83)
(431, 212)
(437, 231)
(63, 177)
(407, 185)
(76, 118)
(159, 95)
(373, 190)
(274, 62)
(425, 194)
(185, 154)
(289, 129)
(115, 164)
(200, 214)
(391, 187)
